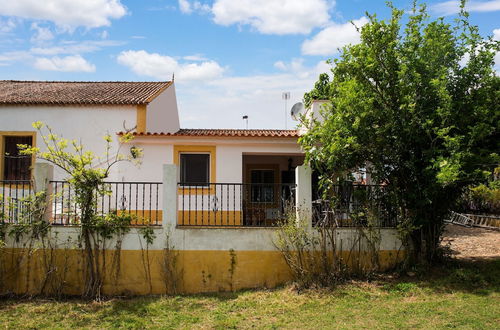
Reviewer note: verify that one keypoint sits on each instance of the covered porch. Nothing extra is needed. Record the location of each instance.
(262, 198)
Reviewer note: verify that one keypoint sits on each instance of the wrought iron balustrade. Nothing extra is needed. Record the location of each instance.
(355, 205)
(13, 199)
(234, 204)
(140, 199)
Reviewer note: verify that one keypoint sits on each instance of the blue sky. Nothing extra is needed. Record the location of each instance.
(230, 57)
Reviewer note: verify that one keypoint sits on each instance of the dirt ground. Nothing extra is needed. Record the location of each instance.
(472, 243)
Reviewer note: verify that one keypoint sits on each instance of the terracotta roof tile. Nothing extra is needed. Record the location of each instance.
(13, 92)
(227, 133)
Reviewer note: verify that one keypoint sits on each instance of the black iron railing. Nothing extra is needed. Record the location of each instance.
(13, 195)
(355, 205)
(234, 204)
(141, 199)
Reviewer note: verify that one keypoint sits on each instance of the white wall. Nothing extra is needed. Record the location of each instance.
(86, 124)
(162, 114)
(229, 154)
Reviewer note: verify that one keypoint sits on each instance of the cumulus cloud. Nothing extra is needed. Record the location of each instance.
(329, 40)
(273, 17)
(163, 66)
(453, 7)
(72, 63)
(66, 14)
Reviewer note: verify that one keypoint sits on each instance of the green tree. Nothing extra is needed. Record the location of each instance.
(419, 103)
(86, 174)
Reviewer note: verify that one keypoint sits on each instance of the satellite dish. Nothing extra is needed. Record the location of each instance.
(296, 110)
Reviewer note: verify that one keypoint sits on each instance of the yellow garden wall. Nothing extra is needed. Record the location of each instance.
(195, 271)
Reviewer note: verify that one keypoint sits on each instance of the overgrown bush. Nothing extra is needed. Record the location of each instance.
(317, 257)
(483, 198)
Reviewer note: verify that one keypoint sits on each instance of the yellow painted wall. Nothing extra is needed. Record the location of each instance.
(205, 218)
(194, 272)
(145, 216)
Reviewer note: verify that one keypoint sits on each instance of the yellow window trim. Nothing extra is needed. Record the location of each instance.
(141, 118)
(178, 149)
(2, 143)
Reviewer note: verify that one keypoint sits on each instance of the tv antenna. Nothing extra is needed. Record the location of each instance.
(285, 96)
(245, 117)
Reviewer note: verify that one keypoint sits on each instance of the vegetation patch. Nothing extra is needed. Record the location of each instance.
(440, 297)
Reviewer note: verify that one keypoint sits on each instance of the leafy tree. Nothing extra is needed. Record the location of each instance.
(86, 174)
(419, 104)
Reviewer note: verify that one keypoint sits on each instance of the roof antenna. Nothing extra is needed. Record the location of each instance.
(173, 76)
(285, 96)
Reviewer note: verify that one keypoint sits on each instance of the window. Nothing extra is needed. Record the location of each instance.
(15, 165)
(195, 169)
(262, 186)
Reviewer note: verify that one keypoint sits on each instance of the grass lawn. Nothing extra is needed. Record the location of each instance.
(459, 295)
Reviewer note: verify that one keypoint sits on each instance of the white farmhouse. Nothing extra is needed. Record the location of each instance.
(226, 176)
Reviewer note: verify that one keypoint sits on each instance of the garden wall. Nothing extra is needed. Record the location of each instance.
(179, 260)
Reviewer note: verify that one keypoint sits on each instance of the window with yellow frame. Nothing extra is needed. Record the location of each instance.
(196, 168)
(13, 165)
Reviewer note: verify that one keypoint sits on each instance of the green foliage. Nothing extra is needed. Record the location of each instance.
(113, 225)
(321, 90)
(86, 177)
(418, 106)
(30, 217)
(484, 198)
(148, 234)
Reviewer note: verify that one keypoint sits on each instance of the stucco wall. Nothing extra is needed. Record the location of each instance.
(85, 124)
(206, 259)
(162, 114)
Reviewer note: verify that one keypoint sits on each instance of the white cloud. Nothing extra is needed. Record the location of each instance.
(66, 14)
(185, 6)
(208, 98)
(329, 40)
(453, 7)
(7, 25)
(42, 34)
(163, 66)
(496, 34)
(280, 65)
(85, 46)
(273, 17)
(195, 57)
(9, 57)
(72, 63)
(258, 96)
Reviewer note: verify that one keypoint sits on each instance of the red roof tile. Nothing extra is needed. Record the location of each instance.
(227, 133)
(13, 92)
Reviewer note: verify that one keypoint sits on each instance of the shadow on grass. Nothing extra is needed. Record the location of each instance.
(473, 276)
